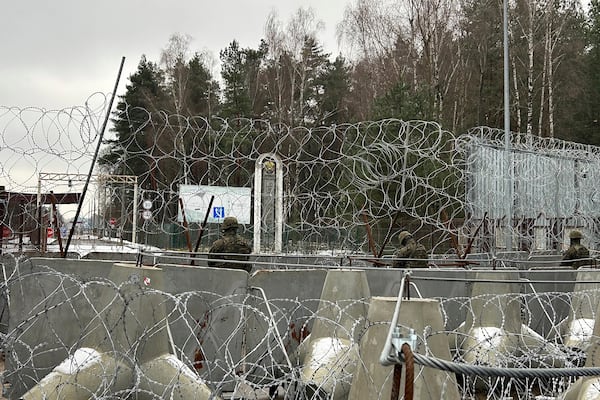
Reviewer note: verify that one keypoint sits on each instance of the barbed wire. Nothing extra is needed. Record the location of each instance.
(388, 174)
(241, 341)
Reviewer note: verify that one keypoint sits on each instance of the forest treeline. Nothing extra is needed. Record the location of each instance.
(435, 60)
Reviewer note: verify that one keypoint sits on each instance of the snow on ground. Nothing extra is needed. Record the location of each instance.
(85, 244)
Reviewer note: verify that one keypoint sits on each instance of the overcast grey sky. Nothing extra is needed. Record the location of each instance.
(55, 53)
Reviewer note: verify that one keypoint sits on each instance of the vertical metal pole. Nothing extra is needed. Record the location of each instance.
(39, 209)
(396, 382)
(507, 141)
(123, 217)
(188, 239)
(257, 204)
(135, 211)
(203, 226)
(3, 207)
(93, 164)
(278, 206)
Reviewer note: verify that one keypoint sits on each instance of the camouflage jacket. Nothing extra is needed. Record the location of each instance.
(234, 248)
(574, 253)
(412, 250)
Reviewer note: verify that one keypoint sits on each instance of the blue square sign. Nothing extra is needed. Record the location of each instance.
(218, 212)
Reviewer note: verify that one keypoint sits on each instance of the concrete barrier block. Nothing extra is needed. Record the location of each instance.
(292, 297)
(46, 295)
(587, 387)
(138, 316)
(166, 377)
(328, 368)
(207, 322)
(343, 304)
(331, 350)
(85, 374)
(374, 381)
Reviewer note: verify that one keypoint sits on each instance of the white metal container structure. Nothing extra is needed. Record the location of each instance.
(553, 186)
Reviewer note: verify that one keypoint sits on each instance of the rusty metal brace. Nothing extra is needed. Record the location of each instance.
(404, 345)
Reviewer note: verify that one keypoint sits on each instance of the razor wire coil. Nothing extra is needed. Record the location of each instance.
(336, 178)
(208, 329)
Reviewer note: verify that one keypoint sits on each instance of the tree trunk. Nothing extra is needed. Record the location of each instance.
(550, 84)
(530, 70)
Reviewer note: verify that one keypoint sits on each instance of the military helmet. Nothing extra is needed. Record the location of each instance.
(228, 223)
(402, 236)
(575, 234)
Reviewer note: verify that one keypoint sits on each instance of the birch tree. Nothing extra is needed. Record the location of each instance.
(433, 27)
(561, 48)
(526, 33)
(292, 67)
(373, 33)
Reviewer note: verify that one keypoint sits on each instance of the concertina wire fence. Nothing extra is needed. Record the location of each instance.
(388, 174)
(211, 333)
(348, 187)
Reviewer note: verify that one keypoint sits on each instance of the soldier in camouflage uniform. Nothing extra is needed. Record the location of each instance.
(577, 254)
(410, 249)
(230, 247)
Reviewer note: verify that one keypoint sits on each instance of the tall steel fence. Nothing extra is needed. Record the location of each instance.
(349, 187)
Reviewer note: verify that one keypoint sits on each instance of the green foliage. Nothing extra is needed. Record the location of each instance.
(589, 106)
(332, 91)
(310, 70)
(403, 103)
(240, 72)
(593, 35)
(203, 97)
(304, 90)
(481, 69)
(144, 93)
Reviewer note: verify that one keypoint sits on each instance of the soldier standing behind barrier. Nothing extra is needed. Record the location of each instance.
(576, 252)
(410, 249)
(230, 247)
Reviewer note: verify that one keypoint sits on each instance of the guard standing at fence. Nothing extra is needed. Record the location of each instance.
(577, 254)
(411, 254)
(230, 247)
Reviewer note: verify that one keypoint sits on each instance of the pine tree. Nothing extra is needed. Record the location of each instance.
(203, 97)
(240, 70)
(312, 72)
(588, 113)
(144, 94)
(336, 89)
(403, 103)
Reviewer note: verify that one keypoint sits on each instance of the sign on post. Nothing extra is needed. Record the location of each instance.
(218, 212)
(228, 202)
